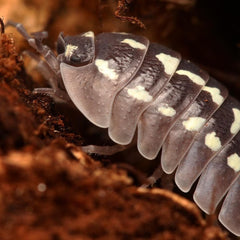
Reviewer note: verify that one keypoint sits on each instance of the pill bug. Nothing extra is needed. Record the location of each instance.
(122, 82)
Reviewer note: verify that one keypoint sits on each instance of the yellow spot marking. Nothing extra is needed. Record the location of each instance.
(233, 162)
(194, 77)
(235, 127)
(213, 142)
(170, 63)
(140, 93)
(69, 50)
(103, 68)
(88, 34)
(194, 123)
(167, 111)
(215, 94)
(134, 43)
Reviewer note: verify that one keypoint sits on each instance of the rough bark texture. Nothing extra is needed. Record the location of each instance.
(49, 188)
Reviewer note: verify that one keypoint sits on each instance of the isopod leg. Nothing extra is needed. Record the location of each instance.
(157, 174)
(35, 41)
(104, 150)
(44, 69)
(40, 35)
(49, 68)
(58, 94)
(54, 81)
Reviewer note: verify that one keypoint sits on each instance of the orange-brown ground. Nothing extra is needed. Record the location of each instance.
(49, 188)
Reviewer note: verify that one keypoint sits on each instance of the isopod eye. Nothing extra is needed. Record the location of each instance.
(76, 50)
(76, 58)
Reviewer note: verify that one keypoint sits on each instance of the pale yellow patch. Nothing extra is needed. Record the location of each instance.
(192, 76)
(233, 162)
(122, 33)
(88, 34)
(167, 111)
(212, 141)
(140, 93)
(133, 43)
(235, 127)
(103, 68)
(194, 123)
(69, 50)
(215, 94)
(170, 63)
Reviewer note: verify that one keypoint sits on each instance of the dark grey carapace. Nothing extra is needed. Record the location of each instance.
(123, 82)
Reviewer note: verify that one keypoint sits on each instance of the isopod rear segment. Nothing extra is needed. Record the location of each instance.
(123, 82)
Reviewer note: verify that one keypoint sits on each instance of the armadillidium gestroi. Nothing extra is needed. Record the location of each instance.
(122, 82)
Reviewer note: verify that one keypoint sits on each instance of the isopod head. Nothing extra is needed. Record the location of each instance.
(76, 50)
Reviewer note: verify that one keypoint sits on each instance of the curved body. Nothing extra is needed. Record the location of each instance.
(123, 82)
(133, 85)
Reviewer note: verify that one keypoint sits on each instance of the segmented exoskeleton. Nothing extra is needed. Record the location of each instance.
(122, 82)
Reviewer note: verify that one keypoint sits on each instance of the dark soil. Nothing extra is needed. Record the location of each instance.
(49, 188)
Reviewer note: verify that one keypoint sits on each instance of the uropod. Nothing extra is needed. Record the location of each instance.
(122, 82)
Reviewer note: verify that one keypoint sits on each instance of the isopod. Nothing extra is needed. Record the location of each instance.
(122, 82)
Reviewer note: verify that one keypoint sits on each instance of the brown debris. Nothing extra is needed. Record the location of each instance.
(121, 11)
(10, 63)
(47, 194)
